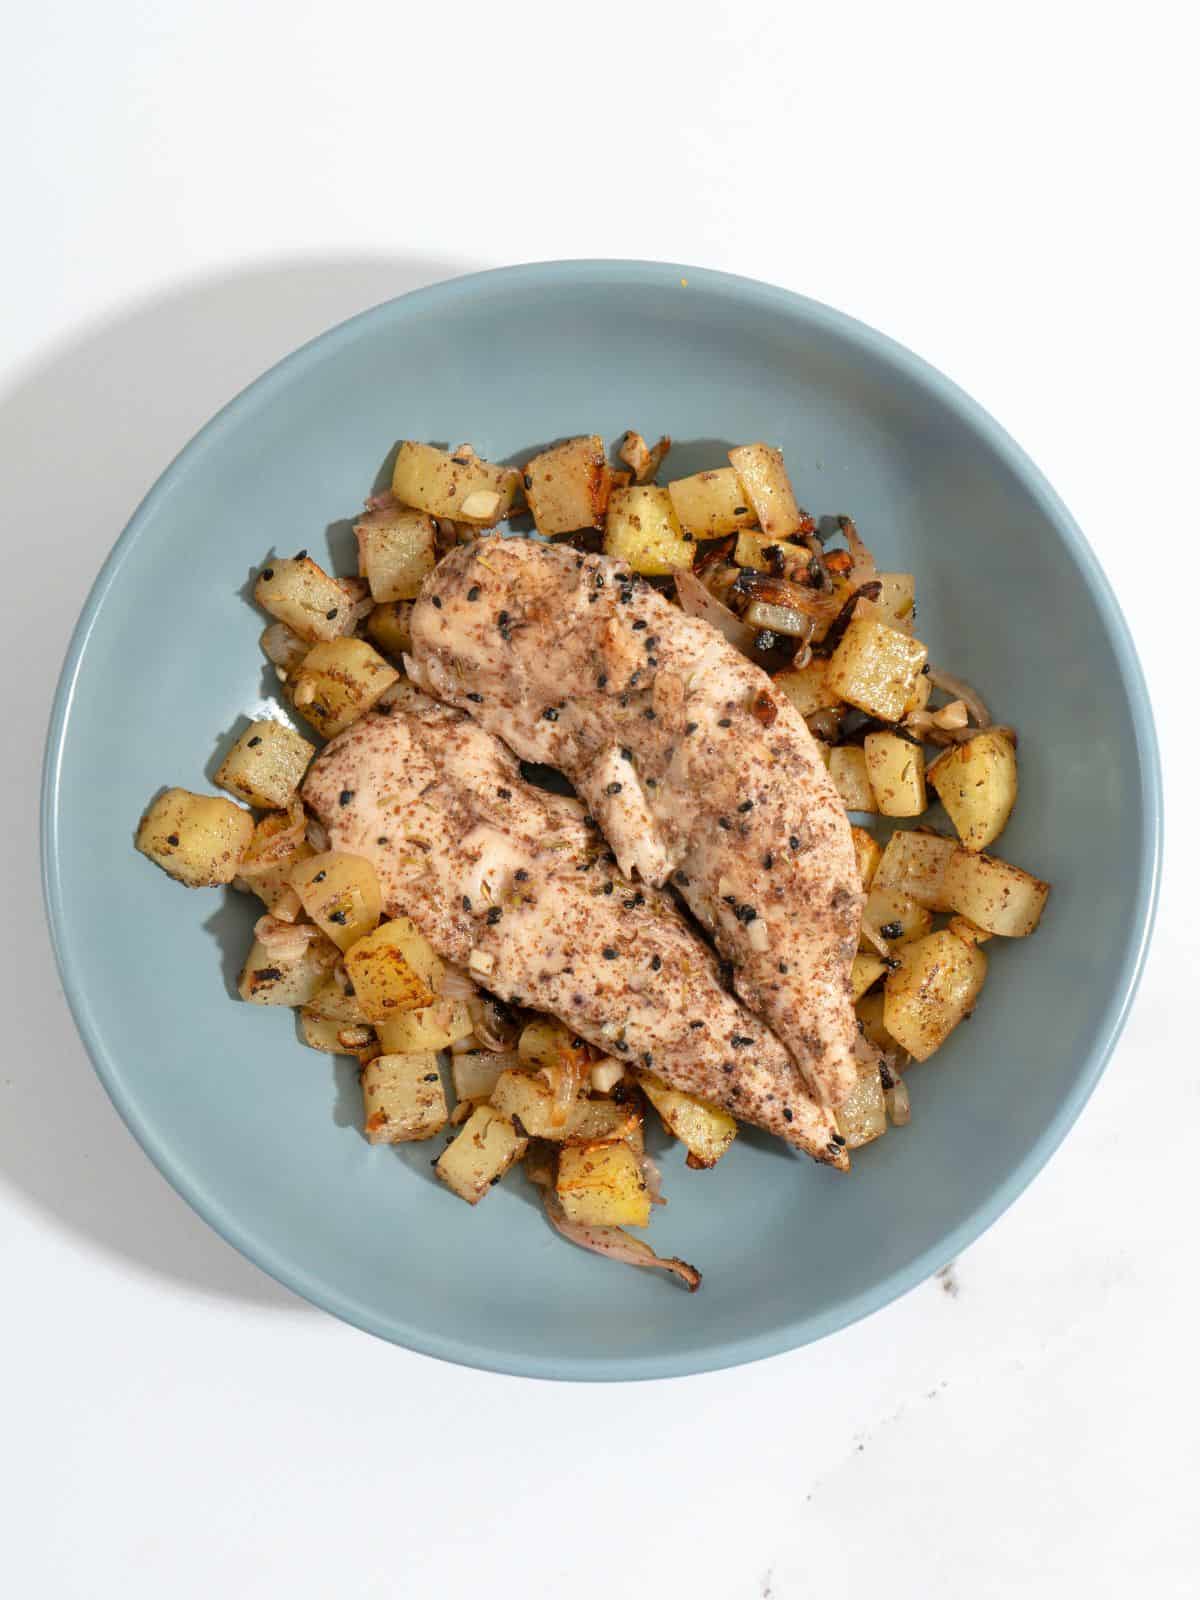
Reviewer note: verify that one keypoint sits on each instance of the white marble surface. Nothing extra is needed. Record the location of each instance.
(199, 186)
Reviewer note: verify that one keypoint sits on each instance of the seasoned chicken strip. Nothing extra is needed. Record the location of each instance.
(696, 768)
(512, 883)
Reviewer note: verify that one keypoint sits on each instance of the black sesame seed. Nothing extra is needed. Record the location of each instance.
(695, 1024)
(550, 714)
(320, 878)
(301, 555)
(382, 839)
(602, 680)
(746, 805)
(891, 930)
(599, 580)
(474, 592)
(502, 619)
(638, 899)
(267, 974)
(627, 755)
(257, 739)
(682, 879)
(476, 698)
(345, 797)
(691, 728)
(838, 1139)
(608, 888)
(725, 722)
(741, 511)
(768, 861)
(339, 917)
(640, 624)
(794, 843)
(787, 1113)
(746, 914)
(267, 574)
(172, 838)
(612, 788)
(655, 963)
(724, 822)
(729, 899)
(521, 875)
(739, 1041)
(647, 1059)
(649, 713)
(652, 642)
(330, 615)
(437, 602)
(728, 1066)
(609, 953)
(431, 1077)
(652, 783)
(528, 480)
(466, 902)
(784, 968)
(505, 794)
(494, 915)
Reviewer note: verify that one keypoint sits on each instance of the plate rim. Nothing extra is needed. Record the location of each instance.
(797, 1332)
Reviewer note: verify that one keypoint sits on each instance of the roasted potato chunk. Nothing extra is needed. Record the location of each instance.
(198, 839)
(869, 1011)
(876, 669)
(977, 784)
(394, 969)
(807, 687)
(390, 627)
(265, 765)
(403, 1098)
(705, 1129)
(931, 991)
(396, 548)
(766, 486)
(711, 504)
(865, 969)
(896, 770)
(862, 1116)
(339, 682)
(341, 894)
(434, 1027)
(894, 916)
(460, 486)
(848, 769)
(270, 979)
(333, 1003)
(915, 863)
(867, 854)
(993, 894)
(567, 487)
(601, 1184)
(643, 530)
(481, 1155)
(303, 595)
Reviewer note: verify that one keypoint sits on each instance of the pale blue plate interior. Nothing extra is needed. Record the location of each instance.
(260, 1134)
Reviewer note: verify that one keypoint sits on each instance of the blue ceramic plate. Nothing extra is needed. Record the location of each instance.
(261, 1135)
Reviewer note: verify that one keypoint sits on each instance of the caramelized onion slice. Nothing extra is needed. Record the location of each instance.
(617, 1244)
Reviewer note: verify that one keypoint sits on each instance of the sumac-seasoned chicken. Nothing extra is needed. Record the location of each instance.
(512, 883)
(697, 770)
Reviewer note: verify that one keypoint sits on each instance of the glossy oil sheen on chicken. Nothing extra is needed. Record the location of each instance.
(697, 769)
(511, 882)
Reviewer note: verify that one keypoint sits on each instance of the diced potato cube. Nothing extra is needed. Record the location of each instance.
(848, 769)
(765, 481)
(529, 1102)
(995, 895)
(199, 839)
(271, 980)
(894, 916)
(545, 1043)
(932, 990)
(876, 669)
(896, 769)
(637, 455)
(567, 487)
(394, 969)
(711, 504)
(283, 648)
(894, 607)
(403, 1098)
(339, 682)
(963, 928)
(867, 854)
(607, 1119)
(390, 626)
(865, 970)
(977, 784)
(434, 1027)
(396, 548)
(916, 863)
(341, 894)
(764, 554)
(601, 1185)
(481, 1155)
(869, 1011)
(705, 1129)
(642, 528)
(862, 1116)
(460, 486)
(333, 1037)
(331, 1002)
(304, 596)
(807, 687)
(266, 764)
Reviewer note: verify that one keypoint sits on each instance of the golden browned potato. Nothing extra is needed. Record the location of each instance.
(862, 1116)
(394, 969)
(705, 1129)
(303, 595)
(915, 863)
(640, 459)
(341, 894)
(963, 928)
(272, 977)
(434, 1027)
(866, 969)
(893, 916)
(931, 991)
(869, 1011)
(481, 1154)
(403, 1098)
(642, 528)
(339, 682)
(876, 669)
(460, 486)
(993, 894)
(390, 627)
(199, 839)
(867, 854)
(265, 765)
(601, 1184)
(768, 489)
(567, 487)
(896, 770)
(711, 504)
(977, 784)
(807, 687)
(848, 769)
(334, 1038)
(894, 607)
(332, 1002)
(396, 548)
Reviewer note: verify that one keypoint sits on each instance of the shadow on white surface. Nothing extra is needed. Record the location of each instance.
(83, 433)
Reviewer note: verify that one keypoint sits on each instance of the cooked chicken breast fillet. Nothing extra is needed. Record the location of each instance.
(695, 767)
(512, 883)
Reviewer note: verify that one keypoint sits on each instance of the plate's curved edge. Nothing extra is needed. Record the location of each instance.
(736, 1352)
